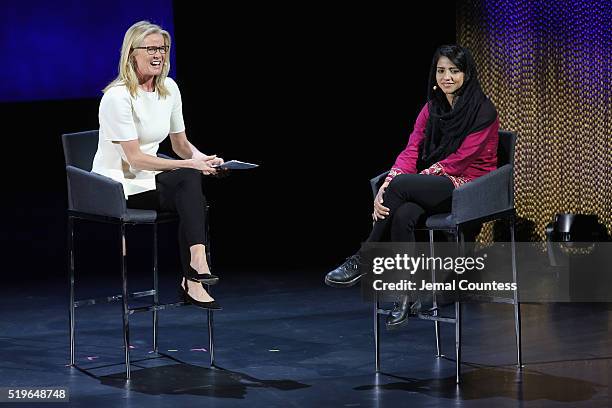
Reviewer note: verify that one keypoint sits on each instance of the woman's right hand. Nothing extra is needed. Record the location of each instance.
(380, 211)
(205, 164)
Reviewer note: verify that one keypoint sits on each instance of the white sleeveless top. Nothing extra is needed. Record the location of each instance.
(146, 118)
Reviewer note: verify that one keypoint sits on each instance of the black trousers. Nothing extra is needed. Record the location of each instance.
(410, 197)
(178, 191)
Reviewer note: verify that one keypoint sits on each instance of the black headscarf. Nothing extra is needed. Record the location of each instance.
(447, 128)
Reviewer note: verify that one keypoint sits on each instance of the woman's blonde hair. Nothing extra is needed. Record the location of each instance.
(134, 37)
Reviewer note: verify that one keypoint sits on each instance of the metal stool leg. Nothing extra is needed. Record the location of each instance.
(156, 289)
(517, 305)
(460, 249)
(71, 266)
(210, 314)
(435, 302)
(124, 302)
(211, 341)
(458, 341)
(376, 334)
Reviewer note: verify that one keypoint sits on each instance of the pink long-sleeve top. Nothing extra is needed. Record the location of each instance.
(476, 156)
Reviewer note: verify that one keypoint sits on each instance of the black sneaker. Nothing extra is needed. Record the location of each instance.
(347, 274)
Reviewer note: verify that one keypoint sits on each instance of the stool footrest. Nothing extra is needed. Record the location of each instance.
(473, 297)
(443, 319)
(155, 307)
(115, 298)
(427, 315)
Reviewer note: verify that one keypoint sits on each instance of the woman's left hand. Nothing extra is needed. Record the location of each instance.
(380, 211)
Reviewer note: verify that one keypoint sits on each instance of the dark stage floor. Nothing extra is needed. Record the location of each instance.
(289, 341)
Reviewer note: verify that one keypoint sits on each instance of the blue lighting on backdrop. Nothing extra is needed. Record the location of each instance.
(67, 49)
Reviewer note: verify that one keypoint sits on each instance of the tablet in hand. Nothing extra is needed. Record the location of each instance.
(236, 165)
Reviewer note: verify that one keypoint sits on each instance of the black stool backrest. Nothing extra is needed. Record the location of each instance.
(80, 148)
(505, 148)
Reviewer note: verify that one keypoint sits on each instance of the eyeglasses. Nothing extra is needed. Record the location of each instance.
(151, 50)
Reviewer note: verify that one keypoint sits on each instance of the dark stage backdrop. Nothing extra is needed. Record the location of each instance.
(322, 98)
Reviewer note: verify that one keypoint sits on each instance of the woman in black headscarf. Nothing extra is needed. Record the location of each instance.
(454, 141)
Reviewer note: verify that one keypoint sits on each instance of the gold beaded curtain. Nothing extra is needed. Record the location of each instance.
(547, 68)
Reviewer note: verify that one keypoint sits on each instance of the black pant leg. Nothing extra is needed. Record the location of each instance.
(179, 191)
(404, 222)
(149, 200)
(431, 193)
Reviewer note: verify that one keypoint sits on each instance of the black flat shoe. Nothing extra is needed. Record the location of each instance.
(183, 293)
(207, 278)
(347, 274)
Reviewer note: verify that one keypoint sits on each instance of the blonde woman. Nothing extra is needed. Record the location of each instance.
(139, 109)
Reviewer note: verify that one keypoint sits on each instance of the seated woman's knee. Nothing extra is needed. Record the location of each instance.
(399, 182)
(393, 183)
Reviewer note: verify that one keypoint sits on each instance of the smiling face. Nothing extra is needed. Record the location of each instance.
(448, 76)
(147, 65)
